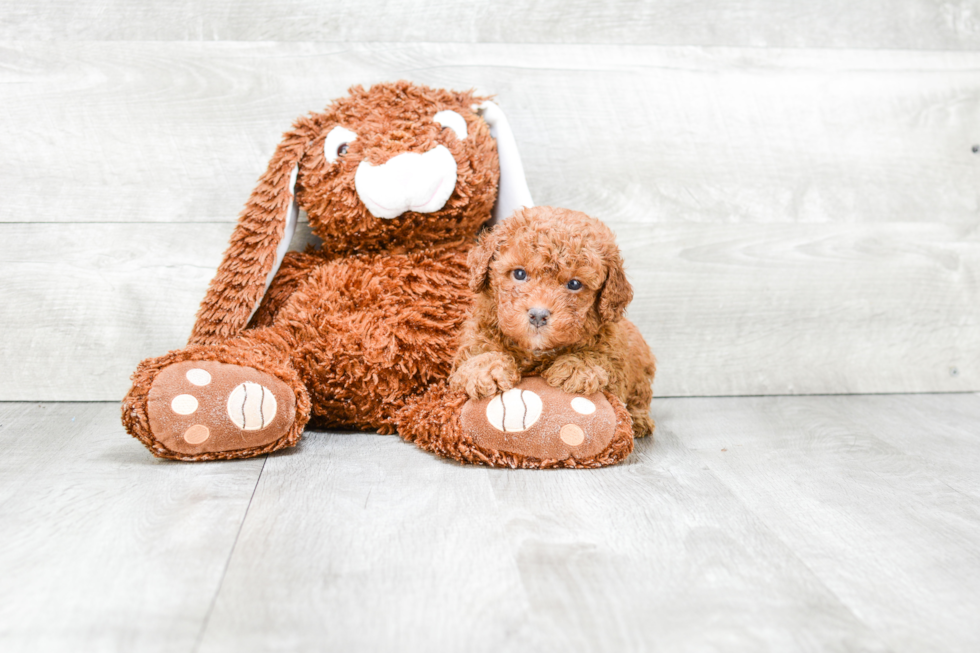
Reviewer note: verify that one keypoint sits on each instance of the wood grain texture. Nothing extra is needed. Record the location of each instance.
(361, 542)
(806, 309)
(160, 132)
(738, 309)
(749, 524)
(863, 500)
(659, 555)
(913, 24)
(944, 449)
(105, 548)
(83, 304)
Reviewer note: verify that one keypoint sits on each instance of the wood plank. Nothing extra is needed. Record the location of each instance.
(104, 546)
(943, 441)
(743, 309)
(828, 23)
(806, 309)
(805, 524)
(884, 529)
(361, 542)
(157, 132)
(83, 304)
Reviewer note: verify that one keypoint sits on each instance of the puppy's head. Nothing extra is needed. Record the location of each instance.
(552, 276)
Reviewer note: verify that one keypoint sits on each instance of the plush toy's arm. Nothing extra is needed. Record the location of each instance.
(295, 268)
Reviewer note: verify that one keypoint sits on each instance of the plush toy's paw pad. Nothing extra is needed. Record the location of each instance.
(539, 421)
(203, 406)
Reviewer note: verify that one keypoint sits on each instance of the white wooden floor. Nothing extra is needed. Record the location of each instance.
(825, 523)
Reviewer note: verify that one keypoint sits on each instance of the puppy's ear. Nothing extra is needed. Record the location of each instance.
(616, 292)
(258, 245)
(480, 258)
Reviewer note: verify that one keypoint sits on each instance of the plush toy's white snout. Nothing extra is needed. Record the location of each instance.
(407, 182)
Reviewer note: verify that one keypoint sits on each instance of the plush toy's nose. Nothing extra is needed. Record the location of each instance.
(407, 182)
(538, 316)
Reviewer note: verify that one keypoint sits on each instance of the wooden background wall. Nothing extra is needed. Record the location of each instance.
(794, 184)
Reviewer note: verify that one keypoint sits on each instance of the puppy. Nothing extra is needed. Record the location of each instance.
(550, 297)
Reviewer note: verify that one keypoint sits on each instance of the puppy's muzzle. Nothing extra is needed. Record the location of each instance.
(407, 182)
(538, 317)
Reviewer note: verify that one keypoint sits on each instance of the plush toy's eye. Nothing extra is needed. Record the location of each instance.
(574, 285)
(452, 120)
(335, 145)
(519, 275)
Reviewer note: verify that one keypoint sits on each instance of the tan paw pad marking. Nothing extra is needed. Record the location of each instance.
(197, 434)
(514, 410)
(572, 434)
(183, 404)
(583, 406)
(251, 406)
(198, 377)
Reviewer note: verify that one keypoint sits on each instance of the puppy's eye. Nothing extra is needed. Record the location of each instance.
(519, 275)
(336, 142)
(574, 285)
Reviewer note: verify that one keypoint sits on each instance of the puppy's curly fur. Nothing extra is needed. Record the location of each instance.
(550, 297)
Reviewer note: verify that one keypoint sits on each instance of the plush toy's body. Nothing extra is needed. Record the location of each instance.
(396, 180)
(367, 332)
(357, 338)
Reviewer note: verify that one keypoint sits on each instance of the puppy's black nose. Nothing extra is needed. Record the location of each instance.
(538, 316)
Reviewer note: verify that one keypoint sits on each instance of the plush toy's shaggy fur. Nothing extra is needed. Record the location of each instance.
(360, 326)
(551, 293)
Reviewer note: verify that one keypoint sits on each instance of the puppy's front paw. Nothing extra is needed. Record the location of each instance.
(485, 375)
(574, 375)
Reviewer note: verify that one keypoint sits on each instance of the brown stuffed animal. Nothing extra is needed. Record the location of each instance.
(547, 359)
(396, 180)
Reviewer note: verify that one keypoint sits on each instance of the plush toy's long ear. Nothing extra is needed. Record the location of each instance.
(257, 247)
(512, 190)
(616, 292)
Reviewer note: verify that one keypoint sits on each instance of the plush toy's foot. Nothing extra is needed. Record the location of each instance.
(530, 426)
(206, 410)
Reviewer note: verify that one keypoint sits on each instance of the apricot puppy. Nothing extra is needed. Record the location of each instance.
(550, 298)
